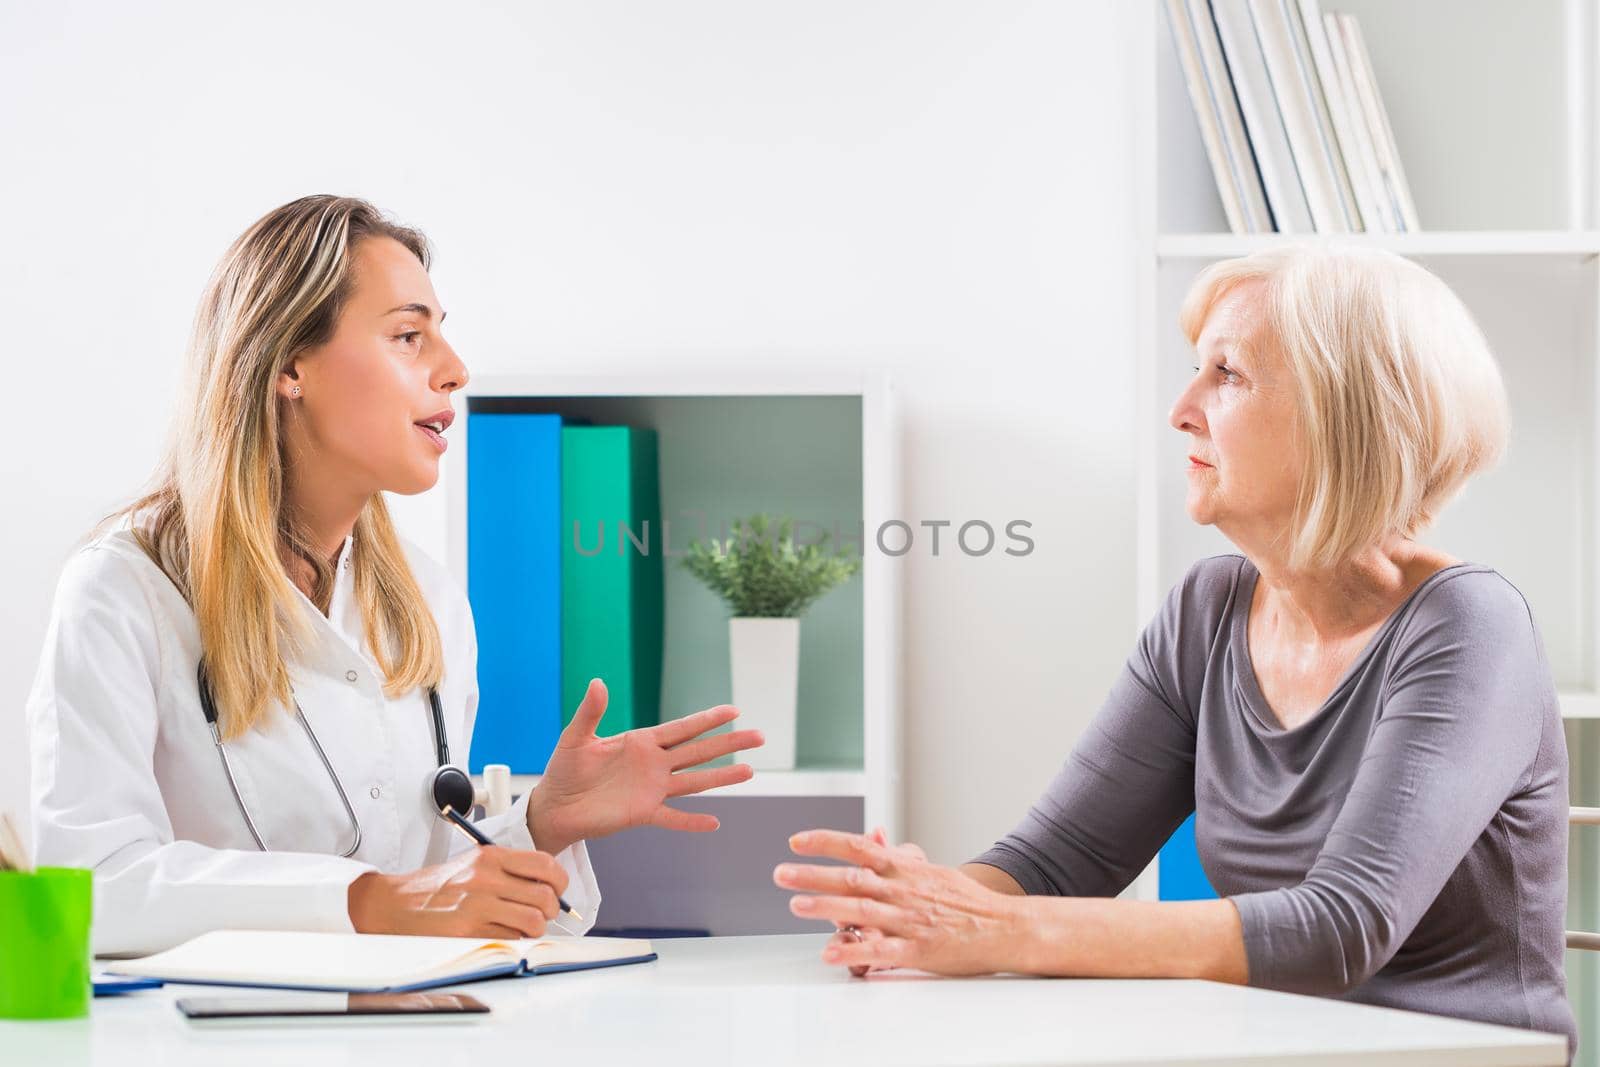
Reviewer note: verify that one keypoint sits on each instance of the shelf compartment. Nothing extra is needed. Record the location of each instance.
(800, 455)
(1491, 110)
(818, 446)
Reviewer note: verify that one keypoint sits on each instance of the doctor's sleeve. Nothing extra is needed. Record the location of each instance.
(511, 828)
(93, 713)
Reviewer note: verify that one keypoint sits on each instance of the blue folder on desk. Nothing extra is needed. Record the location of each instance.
(371, 963)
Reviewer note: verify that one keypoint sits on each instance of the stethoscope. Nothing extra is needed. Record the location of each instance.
(450, 787)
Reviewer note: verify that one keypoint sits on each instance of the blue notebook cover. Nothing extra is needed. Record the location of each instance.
(106, 985)
(514, 584)
(508, 970)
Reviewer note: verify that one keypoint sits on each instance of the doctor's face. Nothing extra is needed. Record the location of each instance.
(1239, 411)
(375, 398)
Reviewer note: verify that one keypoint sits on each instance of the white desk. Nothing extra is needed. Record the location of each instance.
(770, 1000)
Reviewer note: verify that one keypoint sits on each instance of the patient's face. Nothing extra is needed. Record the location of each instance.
(1239, 413)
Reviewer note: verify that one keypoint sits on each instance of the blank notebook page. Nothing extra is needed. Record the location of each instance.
(281, 957)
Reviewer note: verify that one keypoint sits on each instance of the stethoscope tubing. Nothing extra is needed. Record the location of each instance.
(208, 707)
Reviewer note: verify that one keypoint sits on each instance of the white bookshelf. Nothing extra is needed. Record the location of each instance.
(1494, 112)
(717, 444)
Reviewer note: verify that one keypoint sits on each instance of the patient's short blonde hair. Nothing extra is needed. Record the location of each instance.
(1399, 398)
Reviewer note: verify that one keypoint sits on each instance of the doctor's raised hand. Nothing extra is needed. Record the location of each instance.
(594, 786)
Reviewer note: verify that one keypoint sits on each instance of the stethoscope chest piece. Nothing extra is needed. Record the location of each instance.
(452, 789)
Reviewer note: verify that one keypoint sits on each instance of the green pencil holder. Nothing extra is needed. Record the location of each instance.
(44, 943)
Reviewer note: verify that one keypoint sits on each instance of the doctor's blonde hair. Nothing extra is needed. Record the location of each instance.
(1398, 399)
(216, 521)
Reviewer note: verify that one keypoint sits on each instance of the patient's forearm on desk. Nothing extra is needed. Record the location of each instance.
(1100, 937)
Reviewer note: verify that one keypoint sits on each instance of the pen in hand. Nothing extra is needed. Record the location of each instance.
(466, 827)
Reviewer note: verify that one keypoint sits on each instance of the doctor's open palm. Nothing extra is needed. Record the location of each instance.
(594, 786)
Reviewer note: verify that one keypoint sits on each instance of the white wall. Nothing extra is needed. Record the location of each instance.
(943, 189)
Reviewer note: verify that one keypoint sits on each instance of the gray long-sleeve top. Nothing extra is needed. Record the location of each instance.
(1405, 846)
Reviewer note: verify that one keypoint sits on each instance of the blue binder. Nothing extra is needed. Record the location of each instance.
(1178, 871)
(514, 584)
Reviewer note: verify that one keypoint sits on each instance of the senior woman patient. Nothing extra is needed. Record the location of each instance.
(1365, 728)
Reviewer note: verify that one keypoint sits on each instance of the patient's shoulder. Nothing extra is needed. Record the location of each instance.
(1473, 604)
(1190, 627)
(1203, 595)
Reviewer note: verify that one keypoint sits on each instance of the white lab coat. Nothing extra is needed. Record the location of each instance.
(127, 780)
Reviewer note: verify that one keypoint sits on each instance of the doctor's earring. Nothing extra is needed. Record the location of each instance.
(294, 391)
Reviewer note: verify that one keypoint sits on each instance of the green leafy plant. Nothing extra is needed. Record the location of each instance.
(761, 573)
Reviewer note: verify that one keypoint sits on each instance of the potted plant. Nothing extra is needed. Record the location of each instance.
(768, 582)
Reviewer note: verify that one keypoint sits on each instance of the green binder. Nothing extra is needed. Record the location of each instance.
(611, 572)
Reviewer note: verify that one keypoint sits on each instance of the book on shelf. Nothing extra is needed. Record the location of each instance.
(611, 573)
(1314, 163)
(1378, 208)
(1290, 116)
(1360, 169)
(1318, 158)
(1394, 187)
(1233, 165)
(514, 585)
(1247, 66)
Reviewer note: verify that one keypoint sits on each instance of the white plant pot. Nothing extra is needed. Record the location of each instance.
(765, 655)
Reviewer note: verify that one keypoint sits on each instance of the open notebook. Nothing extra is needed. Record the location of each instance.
(371, 963)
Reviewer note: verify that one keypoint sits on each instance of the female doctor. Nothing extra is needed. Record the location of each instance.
(249, 680)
